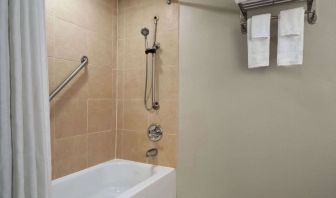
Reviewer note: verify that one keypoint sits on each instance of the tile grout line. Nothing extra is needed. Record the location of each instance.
(87, 103)
(87, 133)
(122, 77)
(82, 27)
(116, 84)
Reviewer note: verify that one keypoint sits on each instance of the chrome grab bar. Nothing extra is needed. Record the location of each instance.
(84, 62)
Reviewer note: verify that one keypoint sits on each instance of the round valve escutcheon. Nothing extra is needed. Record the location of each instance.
(155, 132)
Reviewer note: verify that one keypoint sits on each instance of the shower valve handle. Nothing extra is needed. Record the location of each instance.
(155, 132)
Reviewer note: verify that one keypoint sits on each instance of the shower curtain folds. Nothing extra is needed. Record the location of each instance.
(24, 100)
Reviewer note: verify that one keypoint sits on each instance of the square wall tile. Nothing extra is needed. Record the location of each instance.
(128, 3)
(101, 147)
(101, 115)
(70, 155)
(132, 145)
(100, 82)
(74, 11)
(134, 21)
(135, 57)
(70, 40)
(134, 83)
(100, 50)
(70, 117)
(100, 16)
(135, 116)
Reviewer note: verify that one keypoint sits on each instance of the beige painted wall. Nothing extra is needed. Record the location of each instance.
(261, 133)
(133, 119)
(83, 115)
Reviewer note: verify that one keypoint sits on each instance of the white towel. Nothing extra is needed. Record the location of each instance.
(258, 40)
(291, 37)
(261, 26)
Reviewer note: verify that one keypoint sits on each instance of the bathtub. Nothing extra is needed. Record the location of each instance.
(118, 178)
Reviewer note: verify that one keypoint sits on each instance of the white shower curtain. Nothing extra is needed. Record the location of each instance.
(24, 107)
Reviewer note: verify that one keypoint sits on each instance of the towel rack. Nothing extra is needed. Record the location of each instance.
(249, 5)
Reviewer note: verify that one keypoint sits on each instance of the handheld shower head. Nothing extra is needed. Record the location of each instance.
(145, 32)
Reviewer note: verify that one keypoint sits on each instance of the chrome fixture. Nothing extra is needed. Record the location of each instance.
(84, 62)
(155, 105)
(155, 132)
(145, 32)
(152, 152)
(244, 7)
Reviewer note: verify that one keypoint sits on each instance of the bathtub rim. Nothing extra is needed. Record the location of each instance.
(162, 171)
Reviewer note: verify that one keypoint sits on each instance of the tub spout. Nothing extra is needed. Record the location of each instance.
(151, 152)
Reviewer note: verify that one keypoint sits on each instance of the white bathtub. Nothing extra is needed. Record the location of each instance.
(118, 178)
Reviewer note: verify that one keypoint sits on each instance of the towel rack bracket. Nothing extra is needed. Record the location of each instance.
(244, 7)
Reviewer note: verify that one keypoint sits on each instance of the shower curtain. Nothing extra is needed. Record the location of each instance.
(24, 105)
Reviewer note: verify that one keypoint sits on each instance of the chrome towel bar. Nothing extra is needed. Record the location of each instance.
(244, 7)
(84, 62)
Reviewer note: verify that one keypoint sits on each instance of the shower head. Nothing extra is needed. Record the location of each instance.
(145, 32)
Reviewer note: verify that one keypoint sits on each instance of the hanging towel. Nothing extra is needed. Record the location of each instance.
(258, 40)
(291, 37)
(261, 26)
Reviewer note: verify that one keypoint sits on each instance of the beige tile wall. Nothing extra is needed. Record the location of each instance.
(133, 119)
(100, 114)
(83, 115)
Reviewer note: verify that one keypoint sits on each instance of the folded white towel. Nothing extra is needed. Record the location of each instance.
(291, 21)
(261, 26)
(258, 40)
(291, 37)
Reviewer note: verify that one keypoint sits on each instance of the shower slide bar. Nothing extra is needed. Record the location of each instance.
(84, 62)
(244, 7)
